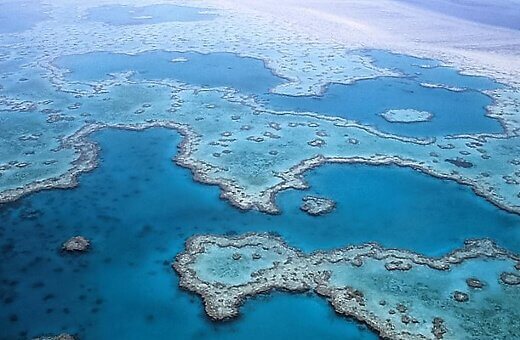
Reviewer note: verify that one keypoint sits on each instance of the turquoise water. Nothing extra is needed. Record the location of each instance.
(152, 14)
(502, 13)
(138, 208)
(454, 112)
(247, 75)
(20, 15)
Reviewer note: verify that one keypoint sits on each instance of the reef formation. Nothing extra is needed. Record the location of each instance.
(76, 244)
(399, 294)
(251, 151)
(62, 336)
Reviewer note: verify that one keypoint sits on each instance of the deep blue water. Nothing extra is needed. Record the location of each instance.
(152, 14)
(20, 15)
(454, 112)
(502, 13)
(138, 208)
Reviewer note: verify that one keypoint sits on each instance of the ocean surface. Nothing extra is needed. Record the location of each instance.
(138, 208)
(248, 75)
(501, 13)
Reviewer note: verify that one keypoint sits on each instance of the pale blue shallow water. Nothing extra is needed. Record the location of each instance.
(365, 101)
(502, 13)
(152, 14)
(247, 75)
(20, 15)
(138, 208)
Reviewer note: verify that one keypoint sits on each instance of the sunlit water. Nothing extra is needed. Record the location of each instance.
(501, 13)
(138, 208)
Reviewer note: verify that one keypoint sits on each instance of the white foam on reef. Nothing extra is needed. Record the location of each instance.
(385, 24)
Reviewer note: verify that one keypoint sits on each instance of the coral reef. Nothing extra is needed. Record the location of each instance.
(62, 336)
(76, 244)
(399, 294)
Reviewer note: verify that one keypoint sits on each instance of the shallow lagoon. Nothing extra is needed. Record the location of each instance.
(245, 74)
(454, 112)
(125, 286)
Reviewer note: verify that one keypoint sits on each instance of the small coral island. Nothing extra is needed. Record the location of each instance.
(399, 294)
(76, 244)
(407, 116)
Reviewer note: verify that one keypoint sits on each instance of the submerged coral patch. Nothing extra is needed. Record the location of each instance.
(20, 15)
(76, 244)
(406, 116)
(316, 206)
